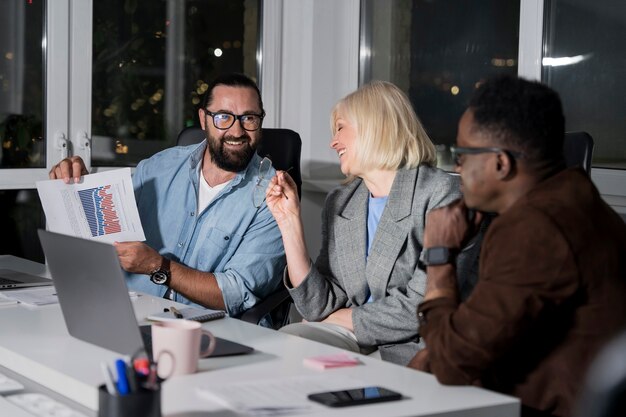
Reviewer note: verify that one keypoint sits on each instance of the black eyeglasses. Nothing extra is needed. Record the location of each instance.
(225, 120)
(458, 151)
(258, 193)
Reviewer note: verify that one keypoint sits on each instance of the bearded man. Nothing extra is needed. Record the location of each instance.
(206, 242)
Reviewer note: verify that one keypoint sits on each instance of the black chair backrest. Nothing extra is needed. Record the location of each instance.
(282, 146)
(578, 150)
(604, 392)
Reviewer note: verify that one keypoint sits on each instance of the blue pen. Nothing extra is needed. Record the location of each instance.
(122, 380)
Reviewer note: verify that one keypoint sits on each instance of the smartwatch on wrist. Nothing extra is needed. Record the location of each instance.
(162, 275)
(437, 255)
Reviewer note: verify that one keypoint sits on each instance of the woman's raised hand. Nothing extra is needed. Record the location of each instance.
(281, 197)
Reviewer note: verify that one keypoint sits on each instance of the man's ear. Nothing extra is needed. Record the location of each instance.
(201, 116)
(505, 166)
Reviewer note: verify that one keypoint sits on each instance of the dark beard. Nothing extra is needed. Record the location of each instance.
(234, 161)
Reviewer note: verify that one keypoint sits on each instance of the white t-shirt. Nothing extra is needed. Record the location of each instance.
(206, 193)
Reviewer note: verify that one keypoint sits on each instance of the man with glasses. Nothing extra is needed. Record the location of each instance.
(552, 276)
(207, 241)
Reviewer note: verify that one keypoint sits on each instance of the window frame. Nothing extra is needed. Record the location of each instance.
(610, 182)
(56, 96)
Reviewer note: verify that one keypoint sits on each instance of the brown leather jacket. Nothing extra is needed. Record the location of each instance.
(551, 291)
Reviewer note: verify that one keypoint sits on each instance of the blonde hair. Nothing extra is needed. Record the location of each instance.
(389, 133)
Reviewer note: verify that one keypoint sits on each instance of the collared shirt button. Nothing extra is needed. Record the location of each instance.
(192, 214)
(180, 245)
(226, 237)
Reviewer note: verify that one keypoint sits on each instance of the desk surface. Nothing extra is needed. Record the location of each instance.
(35, 344)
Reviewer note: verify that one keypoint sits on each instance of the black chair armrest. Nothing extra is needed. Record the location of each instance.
(269, 305)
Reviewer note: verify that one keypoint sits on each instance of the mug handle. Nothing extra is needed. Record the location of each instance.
(206, 352)
(159, 374)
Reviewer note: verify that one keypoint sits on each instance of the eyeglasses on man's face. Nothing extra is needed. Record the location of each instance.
(225, 120)
(458, 152)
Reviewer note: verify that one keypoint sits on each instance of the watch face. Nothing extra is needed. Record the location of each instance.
(159, 277)
(437, 255)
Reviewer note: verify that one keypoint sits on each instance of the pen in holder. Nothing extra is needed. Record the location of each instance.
(135, 392)
(143, 402)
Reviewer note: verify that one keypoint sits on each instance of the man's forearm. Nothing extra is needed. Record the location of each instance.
(441, 282)
(199, 287)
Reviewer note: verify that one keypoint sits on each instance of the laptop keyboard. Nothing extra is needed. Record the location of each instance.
(7, 281)
(15, 402)
(40, 405)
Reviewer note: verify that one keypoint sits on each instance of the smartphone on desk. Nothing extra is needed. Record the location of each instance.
(357, 396)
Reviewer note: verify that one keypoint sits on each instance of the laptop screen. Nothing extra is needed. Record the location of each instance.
(92, 292)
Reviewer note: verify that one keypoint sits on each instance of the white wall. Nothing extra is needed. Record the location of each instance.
(314, 63)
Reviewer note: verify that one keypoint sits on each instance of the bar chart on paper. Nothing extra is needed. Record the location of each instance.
(100, 211)
(100, 207)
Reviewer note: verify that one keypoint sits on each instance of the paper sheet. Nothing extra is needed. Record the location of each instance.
(39, 296)
(272, 397)
(6, 301)
(100, 207)
(33, 296)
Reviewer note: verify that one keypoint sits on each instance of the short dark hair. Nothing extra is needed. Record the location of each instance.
(231, 80)
(521, 115)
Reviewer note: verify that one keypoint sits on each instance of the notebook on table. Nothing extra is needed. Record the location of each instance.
(188, 313)
(94, 299)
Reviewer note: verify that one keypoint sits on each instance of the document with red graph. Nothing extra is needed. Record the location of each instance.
(100, 207)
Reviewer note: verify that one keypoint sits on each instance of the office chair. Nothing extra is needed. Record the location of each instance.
(604, 394)
(283, 147)
(578, 149)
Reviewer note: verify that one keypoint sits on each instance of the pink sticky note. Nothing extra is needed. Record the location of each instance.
(335, 360)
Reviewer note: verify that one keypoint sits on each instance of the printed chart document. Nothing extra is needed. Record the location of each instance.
(100, 207)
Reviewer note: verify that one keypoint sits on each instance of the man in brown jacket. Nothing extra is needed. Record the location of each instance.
(552, 277)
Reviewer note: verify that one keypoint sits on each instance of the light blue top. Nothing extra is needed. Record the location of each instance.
(240, 244)
(375, 208)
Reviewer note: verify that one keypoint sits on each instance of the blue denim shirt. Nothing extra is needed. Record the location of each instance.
(240, 244)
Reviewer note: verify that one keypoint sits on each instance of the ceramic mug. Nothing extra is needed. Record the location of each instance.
(176, 346)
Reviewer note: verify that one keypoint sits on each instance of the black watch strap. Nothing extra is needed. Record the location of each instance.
(162, 275)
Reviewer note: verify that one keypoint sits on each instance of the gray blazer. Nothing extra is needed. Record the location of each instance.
(341, 275)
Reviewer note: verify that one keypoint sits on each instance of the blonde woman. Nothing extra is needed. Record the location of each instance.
(363, 290)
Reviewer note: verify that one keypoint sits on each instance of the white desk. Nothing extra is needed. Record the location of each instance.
(34, 343)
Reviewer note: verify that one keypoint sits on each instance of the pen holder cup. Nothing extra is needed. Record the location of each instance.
(144, 402)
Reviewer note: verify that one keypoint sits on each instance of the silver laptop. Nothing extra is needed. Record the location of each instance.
(92, 292)
(15, 279)
(93, 295)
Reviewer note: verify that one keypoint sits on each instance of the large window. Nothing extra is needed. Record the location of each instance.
(21, 85)
(21, 121)
(438, 52)
(111, 81)
(584, 61)
(151, 65)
